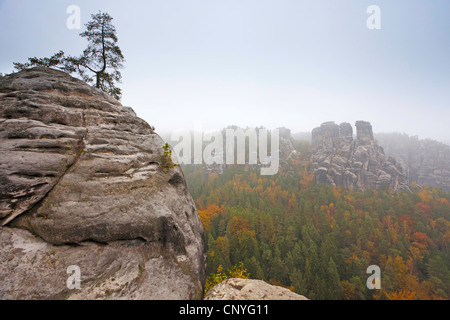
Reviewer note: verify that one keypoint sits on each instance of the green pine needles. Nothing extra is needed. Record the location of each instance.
(99, 63)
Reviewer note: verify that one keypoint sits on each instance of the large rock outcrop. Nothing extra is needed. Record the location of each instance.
(425, 161)
(249, 289)
(82, 182)
(341, 160)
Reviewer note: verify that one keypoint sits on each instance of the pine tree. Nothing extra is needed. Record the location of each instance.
(56, 60)
(100, 61)
(102, 58)
(298, 281)
(334, 286)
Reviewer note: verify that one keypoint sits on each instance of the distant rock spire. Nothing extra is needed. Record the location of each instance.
(359, 163)
(364, 131)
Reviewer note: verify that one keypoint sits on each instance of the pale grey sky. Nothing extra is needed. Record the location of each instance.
(261, 62)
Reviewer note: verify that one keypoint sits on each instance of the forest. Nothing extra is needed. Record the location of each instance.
(319, 240)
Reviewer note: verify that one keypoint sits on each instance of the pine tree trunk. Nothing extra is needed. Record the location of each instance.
(97, 85)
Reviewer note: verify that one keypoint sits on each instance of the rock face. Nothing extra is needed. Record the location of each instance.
(426, 162)
(124, 269)
(286, 147)
(340, 160)
(248, 289)
(83, 175)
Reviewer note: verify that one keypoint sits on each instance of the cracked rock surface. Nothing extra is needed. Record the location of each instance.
(81, 172)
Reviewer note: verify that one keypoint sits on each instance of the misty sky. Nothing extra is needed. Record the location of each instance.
(261, 62)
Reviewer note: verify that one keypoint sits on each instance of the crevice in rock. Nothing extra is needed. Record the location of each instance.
(81, 144)
(175, 180)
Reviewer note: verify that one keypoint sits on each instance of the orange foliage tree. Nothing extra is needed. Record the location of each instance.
(206, 215)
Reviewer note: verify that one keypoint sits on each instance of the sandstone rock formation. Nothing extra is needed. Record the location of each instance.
(82, 174)
(425, 161)
(248, 289)
(287, 149)
(124, 269)
(340, 160)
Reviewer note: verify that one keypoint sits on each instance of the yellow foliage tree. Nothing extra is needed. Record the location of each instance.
(401, 295)
(238, 271)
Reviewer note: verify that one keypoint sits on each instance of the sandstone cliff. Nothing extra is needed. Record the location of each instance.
(359, 163)
(82, 184)
(425, 161)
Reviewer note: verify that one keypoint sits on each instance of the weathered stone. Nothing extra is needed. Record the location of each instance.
(426, 162)
(346, 130)
(129, 110)
(340, 160)
(248, 289)
(364, 131)
(284, 132)
(77, 166)
(125, 269)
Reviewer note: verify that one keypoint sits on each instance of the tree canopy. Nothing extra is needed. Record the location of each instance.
(318, 240)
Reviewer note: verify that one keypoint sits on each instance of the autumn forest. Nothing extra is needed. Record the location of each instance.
(319, 240)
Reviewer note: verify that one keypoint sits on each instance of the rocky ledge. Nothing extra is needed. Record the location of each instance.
(249, 289)
(83, 182)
